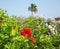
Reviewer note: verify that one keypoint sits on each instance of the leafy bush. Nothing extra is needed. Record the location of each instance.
(27, 33)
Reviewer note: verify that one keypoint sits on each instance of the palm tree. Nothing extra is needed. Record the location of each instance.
(32, 8)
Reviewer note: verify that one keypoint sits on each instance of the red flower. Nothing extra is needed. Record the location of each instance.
(26, 32)
(23, 33)
(32, 40)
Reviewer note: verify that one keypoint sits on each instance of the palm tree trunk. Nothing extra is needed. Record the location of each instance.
(31, 13)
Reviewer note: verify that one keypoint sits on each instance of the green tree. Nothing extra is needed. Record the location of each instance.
(33, 8)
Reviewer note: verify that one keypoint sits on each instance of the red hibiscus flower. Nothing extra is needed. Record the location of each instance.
(26, 32)
(23, 34)
(32, 40)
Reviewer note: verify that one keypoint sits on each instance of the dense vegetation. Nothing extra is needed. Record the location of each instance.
(26, 33)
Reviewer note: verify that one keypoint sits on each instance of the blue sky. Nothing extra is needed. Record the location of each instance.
(48, 8)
